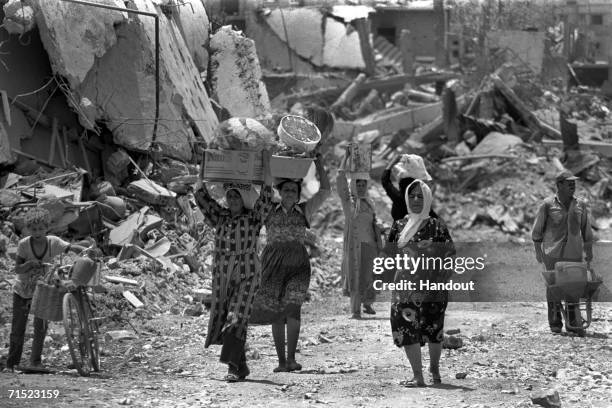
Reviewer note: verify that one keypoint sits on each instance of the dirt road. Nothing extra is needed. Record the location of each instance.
(508, 354)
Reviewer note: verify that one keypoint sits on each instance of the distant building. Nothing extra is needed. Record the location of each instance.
(310, 35)
(593, 20)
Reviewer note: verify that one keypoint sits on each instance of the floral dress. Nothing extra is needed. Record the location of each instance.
(236, 271)
(417, 317)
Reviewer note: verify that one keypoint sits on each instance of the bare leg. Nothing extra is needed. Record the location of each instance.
(435, 351)
(278, 332)
(413, 352)
(293, 334)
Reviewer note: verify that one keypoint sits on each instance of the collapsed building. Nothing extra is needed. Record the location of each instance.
(81, 79)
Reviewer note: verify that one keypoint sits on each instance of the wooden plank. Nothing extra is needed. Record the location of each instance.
(119, 279)
(602, 148)
(349, 93)
(134, 301)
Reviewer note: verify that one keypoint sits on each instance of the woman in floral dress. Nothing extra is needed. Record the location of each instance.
(236, 271)
(417, 317)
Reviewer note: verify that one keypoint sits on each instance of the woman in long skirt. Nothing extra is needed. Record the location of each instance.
(236, 271)
(361, 241)
(286, 266)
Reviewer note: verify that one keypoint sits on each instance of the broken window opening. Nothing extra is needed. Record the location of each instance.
(388, 33)
(596, 19)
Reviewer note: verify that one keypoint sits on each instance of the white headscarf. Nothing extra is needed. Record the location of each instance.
(353, 187)
(415, 219)
(247, 192)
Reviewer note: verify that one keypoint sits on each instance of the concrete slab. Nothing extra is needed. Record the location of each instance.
(115, 70)
(341, 47)
(236, 74)
(194, 26)
(305, 33)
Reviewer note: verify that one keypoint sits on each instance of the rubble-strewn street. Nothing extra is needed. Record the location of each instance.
(507, 357)
(113, 113)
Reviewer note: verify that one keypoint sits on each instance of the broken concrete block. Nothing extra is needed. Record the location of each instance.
(75, 35)
(150, 192)
(109, 58)
(236, 74)
(18, 17)
(134, 301)
(194, 25)
(6, 156)
(496, 143)
(546, 398)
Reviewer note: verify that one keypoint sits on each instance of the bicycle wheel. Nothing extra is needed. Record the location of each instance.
(77, 333)
(94, 347)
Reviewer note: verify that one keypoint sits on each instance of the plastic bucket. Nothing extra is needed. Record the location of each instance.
(299, 133)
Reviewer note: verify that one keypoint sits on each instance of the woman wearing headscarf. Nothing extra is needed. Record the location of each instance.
(236, 272)
(417, 317)
(411, 167)
(286, 266)
(362, 240)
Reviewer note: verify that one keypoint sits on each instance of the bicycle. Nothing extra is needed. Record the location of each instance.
(80, 322)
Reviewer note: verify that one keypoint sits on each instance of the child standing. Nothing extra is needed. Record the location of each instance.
(32, 253)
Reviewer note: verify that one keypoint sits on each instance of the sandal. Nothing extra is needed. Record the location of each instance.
(232, 377)
(367, 309)
(280, 369)
(414, 383)
(435, 376)
(293, 366)
(243, 372)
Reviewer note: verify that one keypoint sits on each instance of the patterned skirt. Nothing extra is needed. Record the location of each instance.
(284, 284)
(417, 322)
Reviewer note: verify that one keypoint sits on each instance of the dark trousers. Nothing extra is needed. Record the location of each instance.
(554, 313)
(554, 305)
(232, 351)
(21, 310)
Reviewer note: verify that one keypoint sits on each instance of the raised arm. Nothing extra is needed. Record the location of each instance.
(324, 192)
(343, 191)
(393, 193)
(210, 208)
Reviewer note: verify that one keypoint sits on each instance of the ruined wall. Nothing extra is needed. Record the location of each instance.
(272, 52)
(194, 26)
(25, 68)
(314, 41)
(528, 46)
(421, 24)
(108, 58)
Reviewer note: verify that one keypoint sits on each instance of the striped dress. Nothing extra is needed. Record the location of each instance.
(236, 272)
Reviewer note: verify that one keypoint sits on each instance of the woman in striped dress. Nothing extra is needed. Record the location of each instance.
(236, 271)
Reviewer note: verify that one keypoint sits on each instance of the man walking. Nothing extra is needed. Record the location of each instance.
(562, 232)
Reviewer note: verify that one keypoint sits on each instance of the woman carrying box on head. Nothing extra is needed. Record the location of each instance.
(236, 271)
(286, 265)
(362, 240)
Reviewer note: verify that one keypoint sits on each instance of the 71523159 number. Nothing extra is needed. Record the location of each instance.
(33, 394)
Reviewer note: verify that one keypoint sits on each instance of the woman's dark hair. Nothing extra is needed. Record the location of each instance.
(280, 184)
(321, 118)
